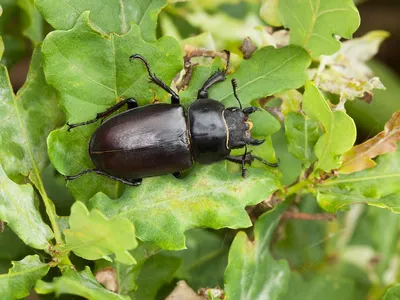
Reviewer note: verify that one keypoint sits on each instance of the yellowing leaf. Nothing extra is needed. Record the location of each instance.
(269, 12)
(94, 236)
(360, 156)
(378, 186)
(346, 73)
(340, 130)
(291, 101)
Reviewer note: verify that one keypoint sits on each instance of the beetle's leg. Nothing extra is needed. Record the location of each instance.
(218, 76)
(131, 104)
(132, 182)
(153, 78)
(177, 174)
(248, 159)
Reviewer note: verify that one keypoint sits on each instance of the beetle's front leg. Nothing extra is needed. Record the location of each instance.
(248, 159)
(153, 78)
(218, 76)
(131, 102)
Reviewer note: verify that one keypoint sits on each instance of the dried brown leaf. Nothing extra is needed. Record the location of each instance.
(360, 157)
(184, 292)
(107, 277)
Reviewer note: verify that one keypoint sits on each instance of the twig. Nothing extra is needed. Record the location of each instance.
(308, 217)
(189, 66)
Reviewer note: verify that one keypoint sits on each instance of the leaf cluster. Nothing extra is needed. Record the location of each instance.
(96, 238)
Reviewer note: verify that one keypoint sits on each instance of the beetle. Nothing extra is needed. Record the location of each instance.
(159, 139)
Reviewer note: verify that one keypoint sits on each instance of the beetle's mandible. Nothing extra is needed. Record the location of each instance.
(160, 139)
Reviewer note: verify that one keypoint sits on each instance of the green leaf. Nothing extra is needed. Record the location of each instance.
(22, 277)
(393, 293)
(82, 283)
(94, 236)
(31, 20)
(264, 124)
(205, 258)
(12, 247)
(368, 232)
(163, 208)
(325, 287)
(300, 250)
(18, 209)
(161, 269)
(289, 165)
(291, 101)
(302, 134)
(267, 72)
(25, 121)
(14, 50)
(106, 16)
(269, 12)
(252, 272)
(1, 47)
(199, 75)
(92, 83)
(340, 130)
(126, 275)
(377, 186)
(314, 23)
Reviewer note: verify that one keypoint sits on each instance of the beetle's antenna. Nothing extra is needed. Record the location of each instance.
(234, 85)
(244, 170)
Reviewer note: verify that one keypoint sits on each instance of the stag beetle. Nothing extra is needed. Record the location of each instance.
(160, 139)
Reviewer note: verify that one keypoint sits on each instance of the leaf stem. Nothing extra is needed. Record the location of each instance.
(49, 205)
(294, 189)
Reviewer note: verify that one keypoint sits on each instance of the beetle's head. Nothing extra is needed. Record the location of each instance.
(239, 127)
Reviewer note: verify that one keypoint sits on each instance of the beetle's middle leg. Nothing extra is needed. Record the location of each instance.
(131, 102)
(153, 78)
(218, 76)
(132, 182)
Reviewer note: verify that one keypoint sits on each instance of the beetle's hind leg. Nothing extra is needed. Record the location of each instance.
(131, 102)
(153, 78)
(218, 76)
(131, 182)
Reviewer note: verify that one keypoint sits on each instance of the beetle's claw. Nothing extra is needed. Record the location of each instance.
(256, 142)
(135, 56)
